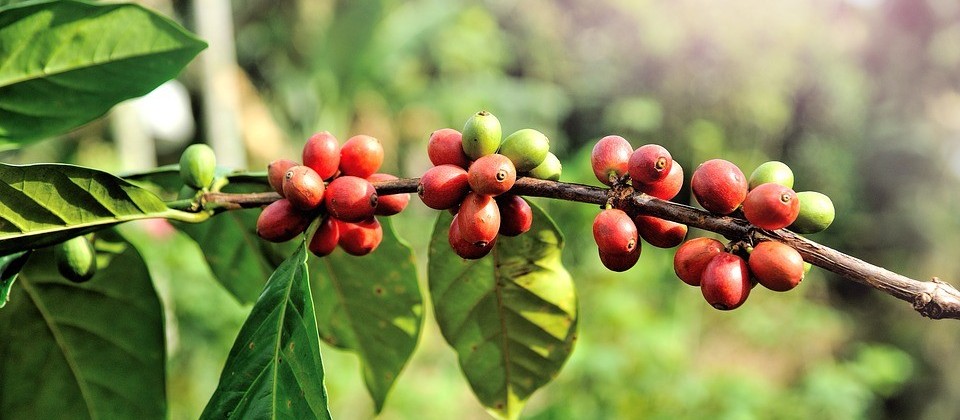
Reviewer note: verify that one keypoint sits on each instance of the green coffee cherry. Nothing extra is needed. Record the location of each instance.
(773, 171)
(197, 166)
(816, 213)
(481, 135)
(76, 259)
(549, 169)
(527, 148)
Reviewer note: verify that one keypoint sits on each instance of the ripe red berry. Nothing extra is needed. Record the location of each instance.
(443, 187)
(666, 188)
(325, 238)
(649, 163)
(464, 249)
(350, 199)
(303, 187)
(492, 174)
(771, 206)
(389, 205)
(621, 262)
(281, 222)
(321, 153)
(360, 238)
(445, 148)
(719, 186)
(610, 157)
(614, 232)
(659, 232)
(692, 258)
(361, 156)
(479, 219)
(776, 266)
(276, 170)
(516, 216)
(726, 281)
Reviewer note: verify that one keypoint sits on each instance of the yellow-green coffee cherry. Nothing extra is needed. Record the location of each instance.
(527, 148)
(773, 171)
(197, 166)
(549, 169)
(76, 259)
(816, 212)
(481, 135)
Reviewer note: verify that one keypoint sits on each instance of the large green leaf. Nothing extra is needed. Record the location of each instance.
(372, 306)
(65, 63)
(10, 266)
(274, 368)
(83, 351)
(510, 316)
(44, 204)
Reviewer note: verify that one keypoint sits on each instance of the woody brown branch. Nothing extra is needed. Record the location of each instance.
(934, 299)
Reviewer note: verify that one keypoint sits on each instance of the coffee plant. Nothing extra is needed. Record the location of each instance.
(77, 300)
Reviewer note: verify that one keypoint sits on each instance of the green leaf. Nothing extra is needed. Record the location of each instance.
(10, 266)
(44, 204)
(510, 316)
(274, 368)
(86, 351)
(372, 306)
(65, 63)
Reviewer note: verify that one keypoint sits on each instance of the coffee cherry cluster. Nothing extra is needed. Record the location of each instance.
(726, 274)
(648, 169)
(333, 184)
(474, 170)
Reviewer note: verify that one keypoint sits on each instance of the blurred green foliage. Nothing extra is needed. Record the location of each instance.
(861, 98)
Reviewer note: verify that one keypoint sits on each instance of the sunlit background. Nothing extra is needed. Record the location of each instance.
(861, 98)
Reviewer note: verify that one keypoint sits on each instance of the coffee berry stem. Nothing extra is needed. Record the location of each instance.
(934, 299)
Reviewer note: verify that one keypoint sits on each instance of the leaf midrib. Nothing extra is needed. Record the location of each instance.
(505, 343)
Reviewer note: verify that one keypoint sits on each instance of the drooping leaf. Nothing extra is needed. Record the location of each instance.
(85, 351)
(10, 266)
(372, 306)
(274, 368)
(44, 204)
(65, 63)
(510, 316)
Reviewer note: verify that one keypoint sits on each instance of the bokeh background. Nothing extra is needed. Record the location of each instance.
(860, 97)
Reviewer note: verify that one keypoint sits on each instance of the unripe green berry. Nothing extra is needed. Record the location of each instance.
(197, 166)
(76, 259)
(481, 135)
(816, 212)
(527, 148)
(549, 169)
(771, 172)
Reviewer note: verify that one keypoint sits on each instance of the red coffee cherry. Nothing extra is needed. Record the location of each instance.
(303, 187)
(281, 222)
(464, 249)
(445, 148)
(610, 157)
(614, 232)
(659, 232)
(719, 186)
(516, 216)
(726, 282)
(321, 153)
(492, 175)
(350, 199)
(276, 170)
(621, 262)
(389, 205)
(692, 258)
(649, 163)
(479, 219)
(776, 266)
(361, 156)
(443, 187)
(771, 206)
(666, 188)
(325, 238)
(360, 238)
